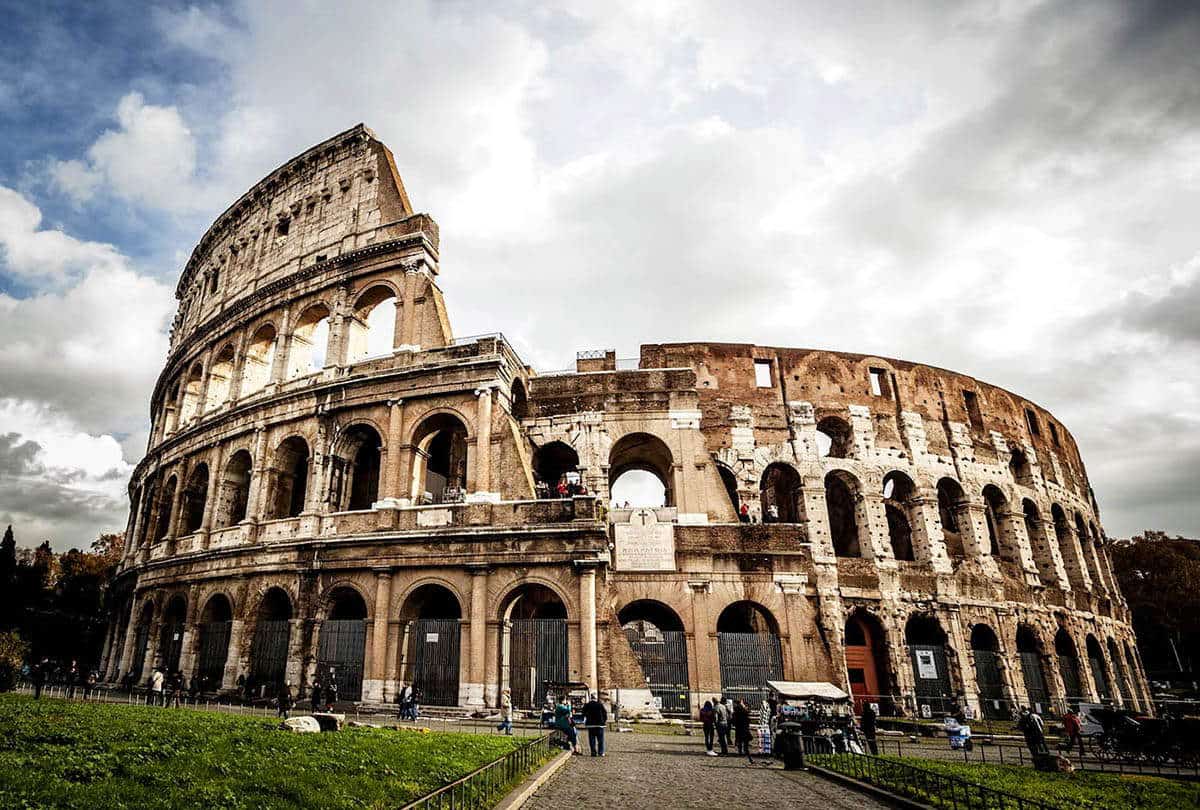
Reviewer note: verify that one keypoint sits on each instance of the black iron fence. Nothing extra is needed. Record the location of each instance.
(485, 786)
(924, 785)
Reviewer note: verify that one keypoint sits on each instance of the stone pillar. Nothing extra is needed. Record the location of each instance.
(587, 623)
(477, 673)
(376, 655)
(483, 448)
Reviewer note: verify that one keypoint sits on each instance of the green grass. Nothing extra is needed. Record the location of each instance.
(55, 753)
(1082, 789)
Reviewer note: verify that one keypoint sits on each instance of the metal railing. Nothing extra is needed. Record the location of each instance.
(485, 786)
(924, 785)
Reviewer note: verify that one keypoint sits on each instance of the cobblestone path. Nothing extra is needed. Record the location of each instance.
(645, 771)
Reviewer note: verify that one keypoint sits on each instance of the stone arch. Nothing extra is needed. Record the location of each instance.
(847, 524)
(782, 494)
(355, 466)
(440, 464)
(195, 498)
(899, 493)
(641, 452)
(835, 438)
(954, 513)
(258, 359)
(193, 389)
(233, 496)
(220, 378)
(309, 346)
(289, 478)
(865, 644)
(371, 330)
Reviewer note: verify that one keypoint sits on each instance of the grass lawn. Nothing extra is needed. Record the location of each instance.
(55, 753)
(1082, 789)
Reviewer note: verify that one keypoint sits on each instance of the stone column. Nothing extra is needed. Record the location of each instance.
(478, 658)
(483, 448)
(587, 622)
(376, 657)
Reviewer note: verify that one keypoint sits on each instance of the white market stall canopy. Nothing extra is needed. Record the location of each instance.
(807, 690)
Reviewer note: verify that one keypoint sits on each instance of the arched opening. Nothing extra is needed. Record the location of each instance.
(555, 463)
(1068, 668)
(195, 497)
(1120, 675)
(834, 438)
(170, 637)
(985, 648)
(372, 329)
(534, 648)
(1018, 466)
(354, 469)
(215, 623)
(269, 647)
(866, 661)
(729, 481)
(841, 502)
(310, 340)
(343, 643)
(141, 642)
(519, 399)
(234, 494)
(781, 494)
(220, 379)
(749, 650)
(656, 636)
(952, 510)
(440, 460)
(193, 386)
(1029, 650)
(432, 620)
(258, 360)
(290, 476)
(171, 411)
(641, 472)
(931, 672)
(999, 528)
(1099, 671)
(166, 504)
(898, 494)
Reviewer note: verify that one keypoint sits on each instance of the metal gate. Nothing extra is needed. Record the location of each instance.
(1035, 681)
(432, 660)
(1098, 675)
(170, 646)
(1068, 668)
(664, 664)
(537, 652)
(991, 685)
(343, 644)
(268, 654)
(214, 650)
(748, 661)
(932, 678)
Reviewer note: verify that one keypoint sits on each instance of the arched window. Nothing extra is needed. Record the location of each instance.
(290, 478)
(234, 493)
(555, 462)
(834, 439)
(260, 357)
(952, 509)
(195, 497)
(372, 330)
(440, 460)
(310, 338)
(781, 495)
(193, 385)
(166, 503)
(898, 494)
(354, 474)
(841, 502)
(220, 379)
(641, 471)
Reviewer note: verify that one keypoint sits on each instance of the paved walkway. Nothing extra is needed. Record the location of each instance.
(645, 771)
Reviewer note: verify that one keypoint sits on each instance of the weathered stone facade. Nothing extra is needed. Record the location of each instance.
(313, 498)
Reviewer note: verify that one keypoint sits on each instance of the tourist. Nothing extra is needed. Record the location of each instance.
(285, 700)
(1074, 730)
(870, 728)
(595, 716)
(564, 722)
(708, 720)
(724, 717)
(156, 687)
(39, 678)
(1030, 724)
(506, 713)
(741, 728)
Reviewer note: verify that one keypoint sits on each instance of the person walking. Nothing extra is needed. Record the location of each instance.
(595, 716)
(156, 687)
(870, 727)
(724, 718)
(506, 713)
(285, 700)
(708, 719)
(1074, 730)
(741, 728)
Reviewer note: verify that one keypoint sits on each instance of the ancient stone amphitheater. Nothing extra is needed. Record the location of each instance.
(336, 484)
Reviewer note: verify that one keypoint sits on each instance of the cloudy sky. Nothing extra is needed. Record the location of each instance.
(1009, 189)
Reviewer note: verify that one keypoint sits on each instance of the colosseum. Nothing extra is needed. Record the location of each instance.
(337, 486)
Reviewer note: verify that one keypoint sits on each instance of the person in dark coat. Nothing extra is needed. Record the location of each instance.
(870, 727)
(596, 718)
(741, 728)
